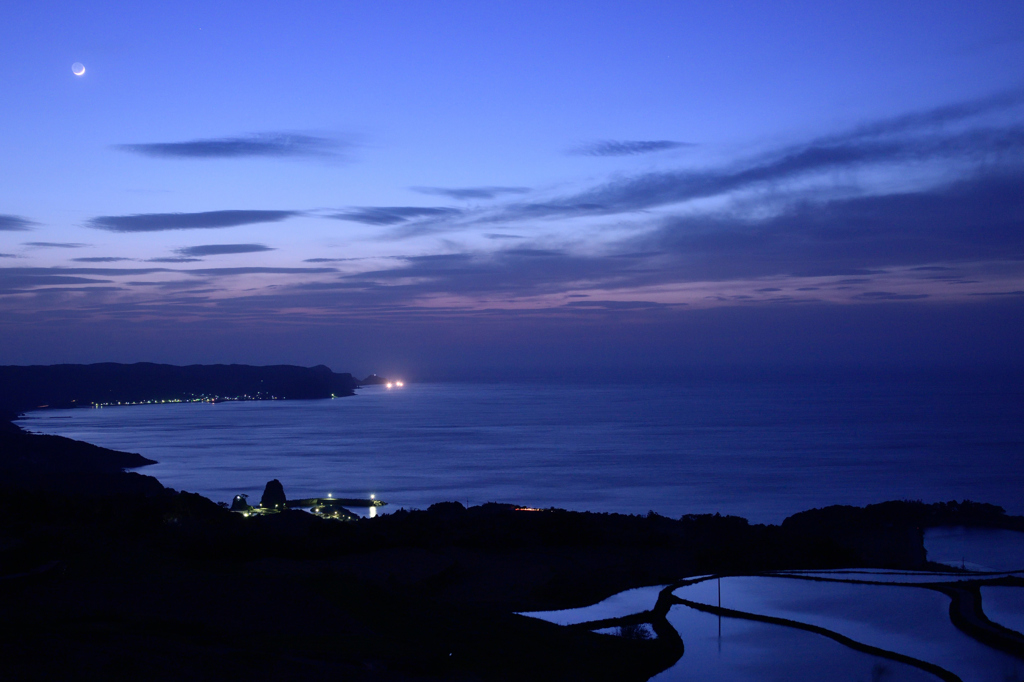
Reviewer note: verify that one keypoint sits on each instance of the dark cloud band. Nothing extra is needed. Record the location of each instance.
(976, 220)
(222, 249)
(13, 223)
(158, 222)
(627, 147)
(471, 192)
(393, 215)
(272, 145)
(221, 272)
(665, 188)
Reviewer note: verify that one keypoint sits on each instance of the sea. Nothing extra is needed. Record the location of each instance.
(760, 449)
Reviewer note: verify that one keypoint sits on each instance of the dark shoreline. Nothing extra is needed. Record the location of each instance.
(110, 574)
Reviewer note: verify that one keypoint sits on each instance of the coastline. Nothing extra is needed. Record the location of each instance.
(756, 453)
(110, 573)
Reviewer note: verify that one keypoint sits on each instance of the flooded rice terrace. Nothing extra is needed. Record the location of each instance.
(830, 625)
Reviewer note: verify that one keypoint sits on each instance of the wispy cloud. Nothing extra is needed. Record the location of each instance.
(222, 249)
(485, 192)
(220, 272)
(173, 259)
(627, 147)
(267, 145)
(616, 305)
(100, 272)
(25, 280)
(948, 137)
(100, 259)
(393, 215)
(854, 244)
(653, 190)
(929, 119)
(518, 271)
(889, 296)
(8, 255)
(158, 222)
(11, 283)
(29, 279)
(767, 239)
(13, 223)
(55, 245)
(175, 284)
(973, 220)
(953, 134)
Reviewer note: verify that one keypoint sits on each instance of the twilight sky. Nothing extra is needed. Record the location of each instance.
(460, 188)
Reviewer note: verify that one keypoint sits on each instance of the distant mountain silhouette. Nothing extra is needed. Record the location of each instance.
(30, 387)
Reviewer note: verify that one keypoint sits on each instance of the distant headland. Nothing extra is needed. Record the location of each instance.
(39, 386)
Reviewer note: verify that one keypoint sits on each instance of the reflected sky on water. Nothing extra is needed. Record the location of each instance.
(616, 606)
(908, 620)
(733, 650)
(976, 549)
(1004, 605)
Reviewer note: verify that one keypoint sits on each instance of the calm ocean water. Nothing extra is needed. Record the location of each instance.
(759, 450)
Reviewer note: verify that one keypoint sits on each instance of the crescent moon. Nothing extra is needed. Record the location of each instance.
(78, 68)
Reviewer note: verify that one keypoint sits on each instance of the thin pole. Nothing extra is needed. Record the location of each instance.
(719, 614)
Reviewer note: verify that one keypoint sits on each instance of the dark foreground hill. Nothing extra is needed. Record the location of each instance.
(30, 387)
(109, 575)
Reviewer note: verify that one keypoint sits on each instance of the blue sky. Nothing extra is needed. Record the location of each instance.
(432, 186)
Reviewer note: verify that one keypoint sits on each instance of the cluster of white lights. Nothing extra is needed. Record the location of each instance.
(394, 384)
(194, 399)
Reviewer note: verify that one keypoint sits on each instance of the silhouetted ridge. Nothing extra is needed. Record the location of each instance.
(30, 387)
(60, 465)
(916, 514)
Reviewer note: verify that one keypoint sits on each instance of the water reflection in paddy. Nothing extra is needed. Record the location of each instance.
(622, 604)
(977, 549)
(1004, 605)
(895, 577)
(909, 620)
(740, 651)
(636, 631)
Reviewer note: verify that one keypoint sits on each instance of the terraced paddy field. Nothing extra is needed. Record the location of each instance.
(853, 624)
